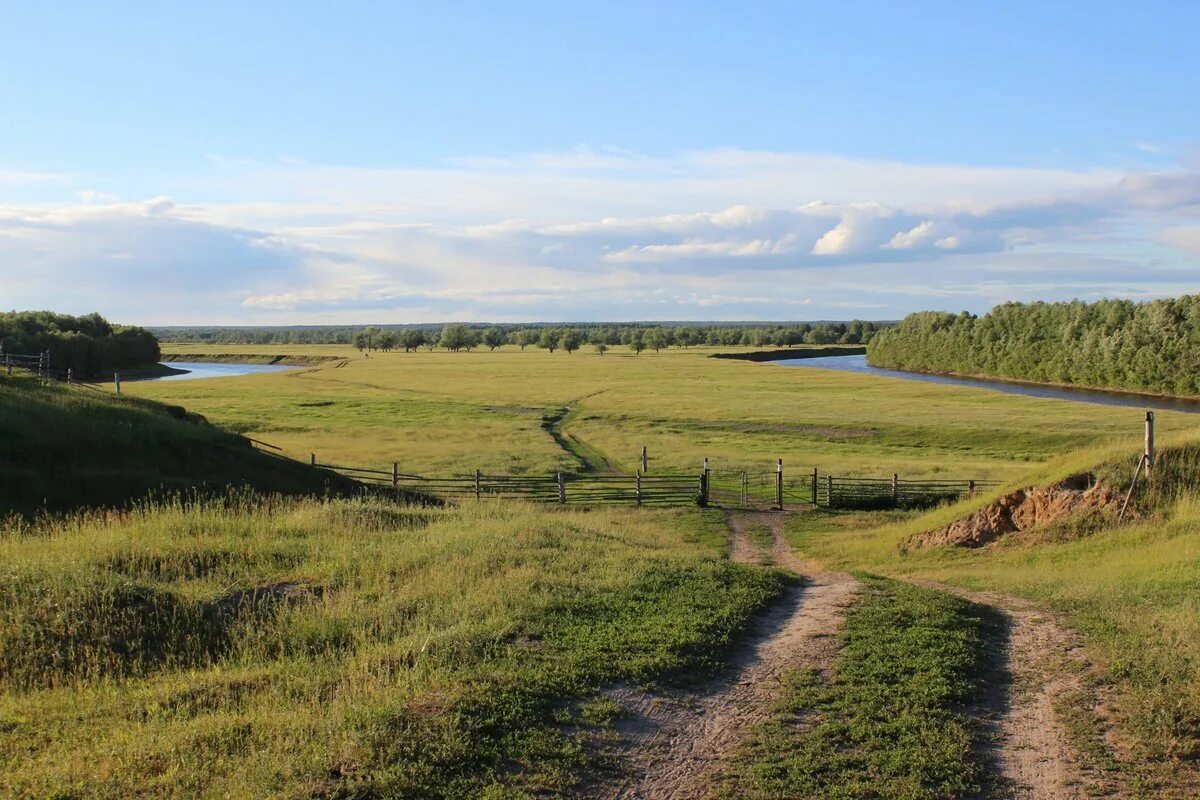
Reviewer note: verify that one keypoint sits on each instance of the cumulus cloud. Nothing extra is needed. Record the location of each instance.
(601, 233)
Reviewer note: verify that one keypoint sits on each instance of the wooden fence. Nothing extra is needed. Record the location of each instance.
(727, 488)
(560, 487)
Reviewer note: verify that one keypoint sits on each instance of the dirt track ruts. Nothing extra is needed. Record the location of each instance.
(672, 743)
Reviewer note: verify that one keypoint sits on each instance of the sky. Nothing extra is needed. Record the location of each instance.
(283, 163)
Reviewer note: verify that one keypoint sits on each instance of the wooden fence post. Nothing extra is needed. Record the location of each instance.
(644, 460)
(477, 484)
(829, 491)
(895, 489)
(814, 486)
(779, 484)
(970, 488)
(117, 381)
(1149, 451)
(562, 488)
(395, 477)
(638, 487)
(312, 459)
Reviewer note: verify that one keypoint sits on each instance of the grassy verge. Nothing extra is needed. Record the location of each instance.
(1131, 589)
(887, 723)
(298, 648)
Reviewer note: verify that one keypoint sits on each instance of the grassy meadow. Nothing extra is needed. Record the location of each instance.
(1133, 590)
(270, 647)
(440, 413)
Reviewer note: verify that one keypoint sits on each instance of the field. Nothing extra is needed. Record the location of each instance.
(360, 648)
(452, 413)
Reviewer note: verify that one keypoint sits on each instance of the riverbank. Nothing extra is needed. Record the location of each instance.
(251, 358)
(788, 353)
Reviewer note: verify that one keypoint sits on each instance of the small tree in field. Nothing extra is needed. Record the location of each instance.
(637, 342)
(457, 337)
(548, 340)
(412, 338)
(524, 337)
(388, 341)
(601, 347)
(570, 340)
(493, 338)
(656, 339)
(359, 340)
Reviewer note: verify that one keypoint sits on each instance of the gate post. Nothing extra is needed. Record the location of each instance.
(476, 484)
(829, 491)
(644, 460)
(779, 484)
(1149, 451)
(814, 486)
(395, 477)
(562, 489)
(637, 486)
(895, 489)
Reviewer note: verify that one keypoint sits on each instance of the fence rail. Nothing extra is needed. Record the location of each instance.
(728, 488)
(562, 487)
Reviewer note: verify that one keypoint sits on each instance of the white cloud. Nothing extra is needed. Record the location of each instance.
(597, 233)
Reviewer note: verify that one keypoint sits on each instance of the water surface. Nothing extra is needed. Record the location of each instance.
(1130, 399)
(207, 369)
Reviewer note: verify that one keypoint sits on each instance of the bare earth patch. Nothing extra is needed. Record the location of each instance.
(672, 743)
(1029, 740)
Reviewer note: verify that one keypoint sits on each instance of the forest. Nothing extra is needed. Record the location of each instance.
(568, 336)
(88, 345)
(1151, 346)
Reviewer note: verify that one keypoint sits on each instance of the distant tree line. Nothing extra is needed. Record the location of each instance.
(89, 345)
(548, 336)
(1152, 346)
(461, 336)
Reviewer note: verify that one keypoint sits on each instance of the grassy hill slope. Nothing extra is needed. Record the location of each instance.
(1132, 588)
(64, 447)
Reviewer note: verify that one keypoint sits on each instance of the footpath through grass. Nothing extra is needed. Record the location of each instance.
(257, 647)
(889, 723)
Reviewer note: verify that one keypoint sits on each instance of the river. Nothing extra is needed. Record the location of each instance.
(207, 369)
(858, 364)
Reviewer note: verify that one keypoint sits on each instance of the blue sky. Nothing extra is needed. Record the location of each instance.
(291, 162)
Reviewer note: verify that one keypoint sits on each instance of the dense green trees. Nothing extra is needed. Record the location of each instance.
(458, 337)
(1152, 346)
(89, 345)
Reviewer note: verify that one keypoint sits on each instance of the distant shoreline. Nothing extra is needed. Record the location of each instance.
(251, 358)
(786, 353)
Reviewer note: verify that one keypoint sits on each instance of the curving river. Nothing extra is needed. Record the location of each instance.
(1109, 398)
(206, 369)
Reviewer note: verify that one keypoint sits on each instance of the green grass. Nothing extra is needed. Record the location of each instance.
(1133, 590)
(890, 721)
(445, 413)
(64, 447)
(303, 648)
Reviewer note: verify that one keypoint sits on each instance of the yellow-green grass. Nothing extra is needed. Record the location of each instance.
(1132, 589)
(298, 648)
(439, 412)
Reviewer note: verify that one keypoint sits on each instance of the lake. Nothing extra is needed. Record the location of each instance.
(1130, 399)
(205, 369)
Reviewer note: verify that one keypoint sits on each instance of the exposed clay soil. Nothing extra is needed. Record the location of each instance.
(671, 743)
(1024, 509)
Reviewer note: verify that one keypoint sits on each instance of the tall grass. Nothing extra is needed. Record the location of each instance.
(304, 648)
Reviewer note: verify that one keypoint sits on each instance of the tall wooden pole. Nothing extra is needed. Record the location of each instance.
(779, 484)
(644, 462)
(1149, 451)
